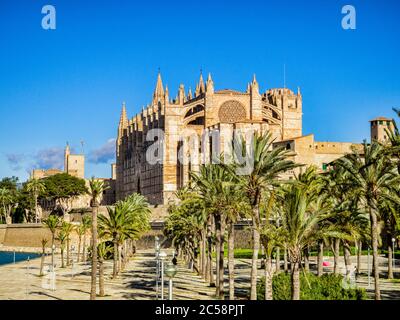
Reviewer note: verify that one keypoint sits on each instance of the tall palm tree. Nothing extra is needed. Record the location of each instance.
(96, 189)
(36, 187)
(52, 222)
(373, 176)
(267, 164)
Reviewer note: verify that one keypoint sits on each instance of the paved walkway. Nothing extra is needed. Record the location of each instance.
(21, 281)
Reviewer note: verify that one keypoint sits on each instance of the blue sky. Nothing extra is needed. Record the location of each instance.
(68, 84)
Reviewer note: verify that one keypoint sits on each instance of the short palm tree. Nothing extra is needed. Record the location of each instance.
(302, 215)
(82, 230)
(43, 242)
(96, 189)
(117, 226)
(6, 199)
(36, 187)
(52, 222)
(66, 229)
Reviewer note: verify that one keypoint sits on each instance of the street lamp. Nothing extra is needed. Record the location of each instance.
(170, 272)
(162, 255)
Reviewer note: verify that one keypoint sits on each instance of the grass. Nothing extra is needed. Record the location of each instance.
(247, 253)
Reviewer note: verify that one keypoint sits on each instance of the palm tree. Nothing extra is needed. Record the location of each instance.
(6, 199)
(96, 189)
(267, 164)
(36, 187)
(102, 252)
(62, 237)
(44, 242)
(271, 238)
(82, 230)
(127, 220)
(52, 223)
(66, 229)
(373, 177)
(302, 214)
(216, 187)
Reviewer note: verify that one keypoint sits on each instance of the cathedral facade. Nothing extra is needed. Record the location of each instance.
(184, 127)
(194, 113)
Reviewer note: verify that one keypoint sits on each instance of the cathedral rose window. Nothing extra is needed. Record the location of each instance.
(231, 111)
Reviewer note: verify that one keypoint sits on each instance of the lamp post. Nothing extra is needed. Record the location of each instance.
(162, 255)
(170, 271)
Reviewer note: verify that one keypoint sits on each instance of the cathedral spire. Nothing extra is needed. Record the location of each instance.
(159, 90)
(210, 84)
(200, 88)
(123, 121)
(190, 95)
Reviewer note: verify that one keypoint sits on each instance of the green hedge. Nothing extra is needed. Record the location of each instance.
(326, 287)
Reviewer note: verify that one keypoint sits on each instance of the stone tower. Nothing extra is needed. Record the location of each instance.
(379, 128)
(74, 164)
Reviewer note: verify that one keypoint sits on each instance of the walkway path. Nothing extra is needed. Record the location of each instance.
(21, 281)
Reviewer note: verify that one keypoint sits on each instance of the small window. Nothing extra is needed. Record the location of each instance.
(380, 122)
(324, 166)
(388, 123)
(288, 146)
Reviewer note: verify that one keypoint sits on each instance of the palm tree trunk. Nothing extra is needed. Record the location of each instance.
(36, 208)
(203, 254)
(374, 238)
(84, 248)
(335, 250)
(306, 260)
(390, 258)
(347, 258)
(101, 278)
(278, 260)
(210, 262)
(94, 253)
(295, 281)
(359, 252)
(52, 249)
(79, 248)
(42, 261)
(285, 260)
(217, 219)
(221, 259)
(256, 247)
(115, 261)
(268, 276)
(231, 260)
(320, 257)
(62, 257)
(68, 255)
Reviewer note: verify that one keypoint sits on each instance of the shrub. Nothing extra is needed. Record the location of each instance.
(326, 287)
